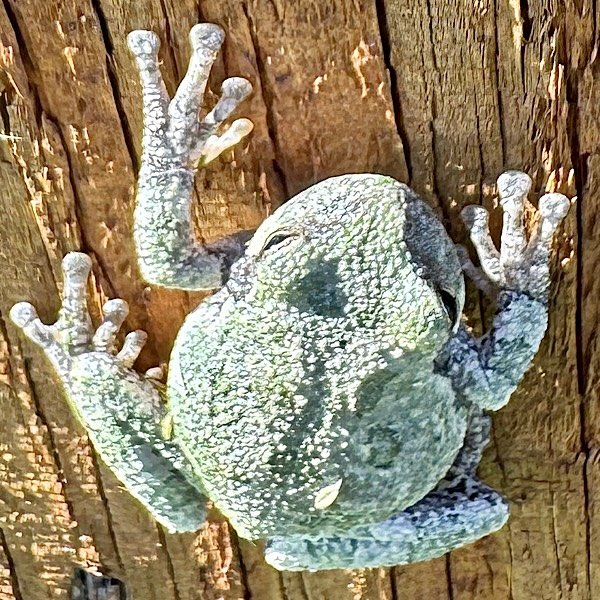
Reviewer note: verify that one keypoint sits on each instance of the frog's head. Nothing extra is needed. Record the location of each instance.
(362, 250)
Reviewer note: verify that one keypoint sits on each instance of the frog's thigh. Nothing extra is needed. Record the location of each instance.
(447, 518)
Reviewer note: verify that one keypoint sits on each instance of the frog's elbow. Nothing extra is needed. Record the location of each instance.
(180, 277)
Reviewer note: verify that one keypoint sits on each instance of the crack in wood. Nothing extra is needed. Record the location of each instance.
(267, 95)
(382, 18)
(14, 580)
(114, 83)
(170, 568)
(579, 163)
(105, 503)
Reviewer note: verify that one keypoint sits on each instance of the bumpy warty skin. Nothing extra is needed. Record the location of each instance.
(445, 519)
(315, 365)
(113, 405)
(328, 397)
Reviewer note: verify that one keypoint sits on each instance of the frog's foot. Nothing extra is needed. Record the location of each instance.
(173, 135)
(72, 335)
(520, 265)
(456, 513)
(121, 410)
(175, 142)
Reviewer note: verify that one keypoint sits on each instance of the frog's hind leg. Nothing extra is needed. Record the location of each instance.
(459, 511)
(121, 410)
(445, 519)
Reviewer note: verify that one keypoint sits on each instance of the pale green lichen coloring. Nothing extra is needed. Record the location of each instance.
(327, 398)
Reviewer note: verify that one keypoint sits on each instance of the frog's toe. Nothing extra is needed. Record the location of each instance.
(74, 326)
(25, 316)
(476, 218)
(520, 264)
(210, 144)
(132, 346)
(553, 209)
(475, 274)
(449, 517)
(115, 312)
(513, 187)
(143, 44)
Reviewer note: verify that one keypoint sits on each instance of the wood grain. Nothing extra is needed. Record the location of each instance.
(443, 95)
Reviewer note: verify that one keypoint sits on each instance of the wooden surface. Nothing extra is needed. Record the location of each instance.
(442, 94)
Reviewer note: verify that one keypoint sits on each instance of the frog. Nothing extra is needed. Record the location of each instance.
(328, 398)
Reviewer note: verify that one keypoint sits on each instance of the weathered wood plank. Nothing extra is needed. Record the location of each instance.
(9, 585)
(485, 88)
(472, 88)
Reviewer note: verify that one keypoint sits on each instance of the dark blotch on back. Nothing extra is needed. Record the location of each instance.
(378, 441)
(318, 292)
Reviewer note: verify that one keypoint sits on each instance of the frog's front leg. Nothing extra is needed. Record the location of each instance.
(487, 370)
(459, 511)
(121, 410)
(174, 144)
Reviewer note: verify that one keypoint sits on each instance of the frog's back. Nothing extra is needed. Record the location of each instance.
(298, 421)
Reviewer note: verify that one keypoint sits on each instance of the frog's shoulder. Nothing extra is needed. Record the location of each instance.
(205, 318)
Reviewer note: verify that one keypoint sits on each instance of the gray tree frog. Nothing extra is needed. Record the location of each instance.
(327, 398)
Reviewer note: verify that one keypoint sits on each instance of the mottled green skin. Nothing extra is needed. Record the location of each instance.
(316, 363)
(327, 398)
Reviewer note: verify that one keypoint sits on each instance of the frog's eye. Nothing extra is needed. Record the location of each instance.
(277, 240)
(270, 238)
(450, 305)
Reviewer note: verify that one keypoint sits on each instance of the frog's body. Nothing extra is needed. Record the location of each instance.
(327, 398)
(348, 391)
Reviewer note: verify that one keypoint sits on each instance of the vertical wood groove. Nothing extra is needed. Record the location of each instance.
(16, 587)
(393, 82)
(442, 93)
(114, 82)
(267, 94)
